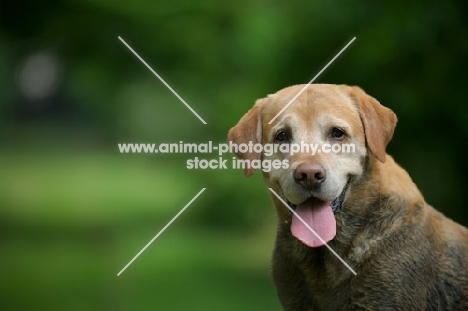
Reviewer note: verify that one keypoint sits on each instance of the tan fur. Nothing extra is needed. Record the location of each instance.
(407, 255)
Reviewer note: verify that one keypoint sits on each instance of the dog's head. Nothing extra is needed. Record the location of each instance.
(319, 144)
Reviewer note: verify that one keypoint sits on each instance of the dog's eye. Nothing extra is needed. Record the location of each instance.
(336, 133)
(282, 137)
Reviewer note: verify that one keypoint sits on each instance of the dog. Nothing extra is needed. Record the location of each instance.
(364, 206)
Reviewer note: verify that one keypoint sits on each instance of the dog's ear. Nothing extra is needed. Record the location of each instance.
(379, 122)
(248, 129)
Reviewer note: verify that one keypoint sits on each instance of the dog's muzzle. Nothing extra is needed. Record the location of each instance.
(336, 204)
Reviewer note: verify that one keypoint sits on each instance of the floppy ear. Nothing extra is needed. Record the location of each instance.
(379, 122)
(248, 129)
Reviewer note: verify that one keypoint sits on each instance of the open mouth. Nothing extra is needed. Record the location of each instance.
(319, 216)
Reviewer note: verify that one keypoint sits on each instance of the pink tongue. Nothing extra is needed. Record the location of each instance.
(318, 215)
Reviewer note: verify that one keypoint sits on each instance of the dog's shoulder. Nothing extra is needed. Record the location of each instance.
(394, 180)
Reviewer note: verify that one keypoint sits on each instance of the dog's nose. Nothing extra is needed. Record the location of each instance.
(309, 175)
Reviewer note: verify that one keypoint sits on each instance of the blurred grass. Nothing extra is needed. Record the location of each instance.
(89, 188)
(70, 222)
(181, 270)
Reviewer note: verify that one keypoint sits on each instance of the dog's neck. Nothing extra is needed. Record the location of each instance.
(381, 187)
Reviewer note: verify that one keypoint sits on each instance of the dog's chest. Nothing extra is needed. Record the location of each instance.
(310, 279)
(327, 292)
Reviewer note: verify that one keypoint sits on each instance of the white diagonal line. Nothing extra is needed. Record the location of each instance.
(313, 79)
(162, 80)
(311, 230)
(162, 230)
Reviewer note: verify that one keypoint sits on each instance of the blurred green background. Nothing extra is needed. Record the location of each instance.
(73, 211)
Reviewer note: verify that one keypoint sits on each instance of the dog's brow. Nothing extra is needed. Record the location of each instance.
(311, 81)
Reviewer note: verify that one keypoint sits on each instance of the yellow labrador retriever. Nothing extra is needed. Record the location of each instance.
(407, 256)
